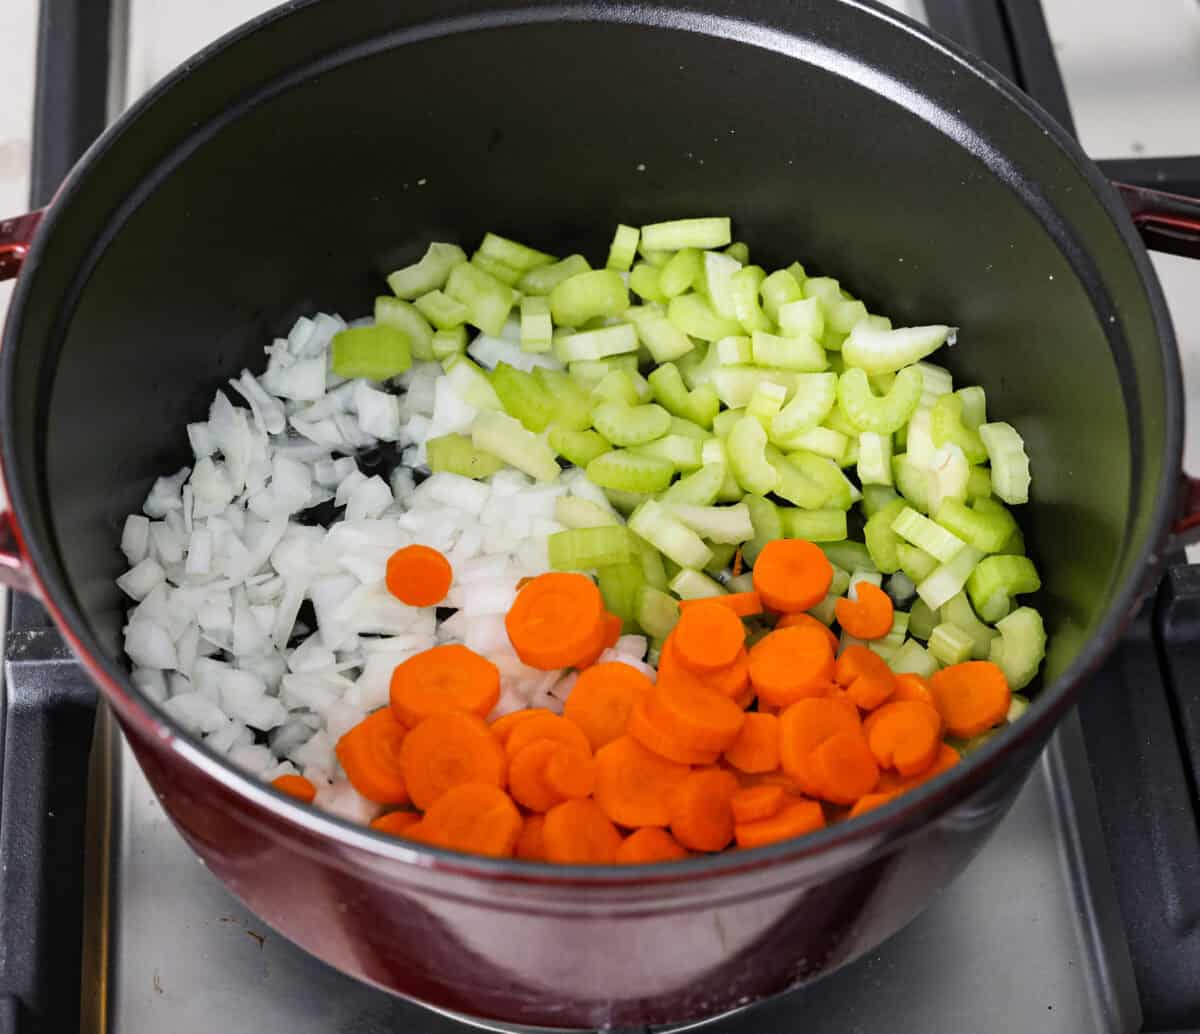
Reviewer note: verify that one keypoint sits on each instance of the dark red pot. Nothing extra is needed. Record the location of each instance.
(290, 165)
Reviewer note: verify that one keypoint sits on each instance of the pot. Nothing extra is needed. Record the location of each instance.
(293, 163)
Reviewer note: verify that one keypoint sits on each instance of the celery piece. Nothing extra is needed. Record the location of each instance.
(663, 340)
(813, 397)
(585, 296)
(537, 327)
(654, 571)
(734, 351)
(454, 454)
(840, 583)
(826, 610)
(949, 578)
(687, 233)
(814, 525)
(447, 343)
(974, 406)
(995, 582)
(825, 289)
(913, 658)
(502, 271)
(824, 441)
(946, 427)
(959, 612)
(1010, 464)
(797, 487)
(919, 439)
(585, 549)
(629, 472)
(523, 396)
(826, 474)
(901, 589)
(375, 353)
(882, 539)
(621, 586)
(912, 481)
(700, 405)
(1017, 706)
(847, 315)
(979, 483)
(439, 309)
(670, 536)
(936, 381)
(511, 253)
(874, 459)
(577, 447)
(746, 447)
(778, 290)
(849, 556)
(590, 372)
(695, 317)
(766, 402)
(657, 612)
(876, 497)
(915, 562)
(682, 452)
(630, 425)
(682, 270)
(429, 274)
(486, 298)
(881, 383)
(504, 436)
(802, 318)
(589, 345)
(571, 404)
(918, 529)
(888, 645)
(700, 488)
(644, 282)
(623, 501)
(950, 644)
(657, 257)
(1015, 546)
(735, 385)
(471, 384)
(718, 273)
(725, 421)
(688, 428)
(788, 353)
(882, 414)
(623, 248)
(618, 386)
(1021, 646)
(405, 317)
(739, 250)
(689, 584)
(723, 524)
(922, 620)
(768, 525)
(948, 477)
(878, 351)
(743, 582)
(573, 511)
(722, 556)
(543, 279)
(987, 527)
(743, 289)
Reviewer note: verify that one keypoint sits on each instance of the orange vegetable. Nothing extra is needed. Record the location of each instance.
(701, 814)
(649, 844)
(548, 727)
(791, 663)
(556, 621)
(869, 616)
(607, 634)
(802, 620)
(443, 679)
(419, 576)
(730, 681)
(739, 562)
(503, 726)
(791, 575)
(661, 741)
(530, 845)
(743, 604)
(869, 801)
(904, 735)
(792, 820)
(752, 803)
(602, 698)
(972, 697)
(843, 768)
(746, 699)
(446, 751)
(865, 676)
(526, 776)
(698, 717)
(395, 822)
(570, 774)
(912, 687)
(805, 726)
(756, 748)
(295, 786)
(580, 832)
(893, 782)
(632, 784)
(475, 817)
(708, 637)
(370, 755)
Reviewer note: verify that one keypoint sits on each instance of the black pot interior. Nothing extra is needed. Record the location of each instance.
(292, 170)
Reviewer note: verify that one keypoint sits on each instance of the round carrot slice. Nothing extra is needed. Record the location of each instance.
(730, 681)
(526, 776)
(443, 679)
(869, 802)
(647, 845)
(790, 664)
(867, 617)
(708, 637)
(972, 697)
(756, 748)
(632, 783)
(395, 822)
(602, 698)
(792, 574)
(802, 620)
(893, 782)
(904, 735)
(449, 750)
(569, 774)
(503, 726)
(370, 755)
(475, 817)
(843, 768)
(579, 832)
(912, 687)
(701, 813)
(548, 727)
(662, 742)
(295, 786)
(792, 820)
(419, 576)
(554, 620)
(752, 803)
(530, 845)
(743, 604)
(607, 633)
(696, 716)
(865, 676)
(805, 726)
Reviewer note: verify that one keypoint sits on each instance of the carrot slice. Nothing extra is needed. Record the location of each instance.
(449, 750)
(869, 616)
(802, 620)
(757, 747)
(730, 681)
(395, 822)
(791, 663)
(295, 786)
(843, 768)
(660, 741)
(443, 679)
(419, 576)
(904, 735)
(647, 845)
(792, 574)
(526, 776)
(752, 803)
(708, 637)
(548, 727)
(632, 783)
(893, 782)
(570, 774)
(554, 620)
(698, 717)
(912, 687)
(370, 755)
(530, 845)
(743, 604)
(746, 699)
(701, 814)
(805, 726)
(865, 676)
(475, 817)
(972, 697)
(792, 820)
(870, 801)
(503, 726)
(602, 699)
(580, 832)
(607, 634)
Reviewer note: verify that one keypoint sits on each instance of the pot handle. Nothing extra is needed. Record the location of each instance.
(1167, 222)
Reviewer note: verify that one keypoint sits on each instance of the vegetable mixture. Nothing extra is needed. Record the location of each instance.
(605, 582)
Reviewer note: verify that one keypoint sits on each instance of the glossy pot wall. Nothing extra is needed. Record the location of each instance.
(294, 163)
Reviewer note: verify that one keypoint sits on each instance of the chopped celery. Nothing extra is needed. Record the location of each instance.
(504, 436)
(766, 402)
(621, 586)
(700, 405)
(922, 532)
(813, 398)
(814, 525)
(618, 386)
(827, 475)
(571, 402)
(1015, 544)
(589, 345)
(1017, 706)
(543, 279)
(734, 351)
(987, 526)
(841, 579)
(689, 584)
(915, 562)
(974, 406)
(375, 353)
(725, 421)
(949, 578)
(628, 472)
(1021, 646)
(778, 290)
(874, 459)
(935, 382)
(682, 270)
(739, 250)
(958, 611)
(623, 501)
(688, 428)
(584, 549)
(879, 351)
(471, 384)
(687, 233)
(913, 658)
(657, 612)
(631, 425)
(523, 396)
(950, 644)
(768, 525)
(511, 253)
(802, 318)
(995, 582)
(901, 589)
(882, 414)
(573, 511)
(502, 271)
(919, 440)
(447, 343)
(719, 270)
(824, 441)
(882, 540)
(948, 476)
(714, 451)
(657, 257)
(735, 385)
(577, 447)
(788, 353)
(876, 497)
(746, 447)
(486, 298)
(888, 645)
(722, 556)
(700, 488)
(850, 556)
(644, 282)
(743, 289)
(979, 483)
(826, 610)
(722, 524)
(912, 481)
(946, 427)
(654, 572)
(663, 340)
(796, 486)
(591, 372)
(439, 309)
(922, 620)
(454, 454)
(429, 274)
(598, 292)
(694, 316)
(405, 317)
(847, 315)
(537, 327)
(670, 536)
(623, 248)
(1010, 464)
(682, 452)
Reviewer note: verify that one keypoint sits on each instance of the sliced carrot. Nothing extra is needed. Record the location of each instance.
(530, 845)
(696, 716)
(701, 814)
(843, 768)
(419, 576)
(395, 822)
(554, 620)
(449, 750)
(746, 699)
(757, 747)
(743, 604)
(791, 575)
(792, 820)
(912, 687)
(526, 776)
(548, 727)
(570, 774)
(647, 845)
(579, 832)
(662, 742)
(752, 803)
(708, 637)
(503, 726)
(295, 786)
(893, 782)
(904, 735)
(632, 783)
(869, 802)
(869, 616)
(370, 755)
(865, 676)
(602, 698)
(730, 681)
(802, 620)
(475, 817)
(972, 697)
(607, 634)
(442, 679)
(805, 726)
(791, 663)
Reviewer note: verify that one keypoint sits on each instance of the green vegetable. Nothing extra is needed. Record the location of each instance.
(700, 405)
(849, 556)
(586, 296)
(695, 585)
(657, 612)
(487, 299)
(1010, 464)
(375, 353)
(439, 309)
(571, 403)
(543, 279)
(815, 525)
(723, 524)
(630, 425)
(987, 525)
(504, 436)
(682, 270)
(881, 414)
(765, 517)
(778, 290)
(454, 454)
(913, 657)
(958, 611)
(922, 620)
(700, 488)
(746, 446)
(537, 327)
(644, 281)
(470, 383)
(502, 271)
(876, 497)
(693, 315)
(623, 248)
(405, 317)
(523, 397)
(803, 318)
(590, 345)
(946, 427)
(663, 340)
(687, 233)
(929, 536)
(719, 270)
(577, 447)
(518, 256)
(995, 582)
(874, 459)
(949, 578)
(584, 549)
(914, 562)
(1021, 646)
(621, 587)
(429, 274)
(628, 472)
(681, 451)
(950, 644)
(881, 351)
(447, 343)
(883, 542)
(788, 353)
(743, 290)
(575, 512)
(670, 536)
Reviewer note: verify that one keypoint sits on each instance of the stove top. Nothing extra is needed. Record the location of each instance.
(1081, 914)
